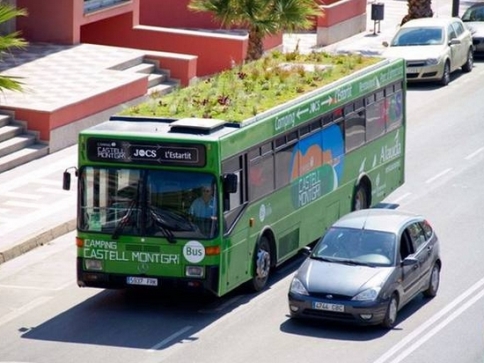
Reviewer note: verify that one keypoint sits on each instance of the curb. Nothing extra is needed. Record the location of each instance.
(37, 239)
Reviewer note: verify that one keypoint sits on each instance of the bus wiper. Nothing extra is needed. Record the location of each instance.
(124, 220)
(134, 204)
(164, 227)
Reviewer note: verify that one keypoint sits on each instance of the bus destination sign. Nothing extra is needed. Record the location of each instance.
(143, 152)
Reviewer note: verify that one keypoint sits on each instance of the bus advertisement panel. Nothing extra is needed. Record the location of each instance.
(209, 204)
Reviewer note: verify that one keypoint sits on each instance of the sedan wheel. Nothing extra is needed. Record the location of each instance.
(434, 282)
(391, 315)
(446, 75)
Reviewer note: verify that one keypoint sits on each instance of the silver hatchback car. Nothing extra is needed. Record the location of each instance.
(366, 267)
(433, 48)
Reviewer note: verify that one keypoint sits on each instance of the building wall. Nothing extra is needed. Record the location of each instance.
(49, 21)
(174, 14)
(215, 51)
(341, 19)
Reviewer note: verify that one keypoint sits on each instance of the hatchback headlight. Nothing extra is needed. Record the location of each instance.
(367, 295)
(297, 287)
(432, 61)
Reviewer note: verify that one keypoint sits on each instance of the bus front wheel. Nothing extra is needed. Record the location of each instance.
(361, 200)
(262, 264)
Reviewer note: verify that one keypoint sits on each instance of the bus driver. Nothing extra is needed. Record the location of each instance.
(204, 206)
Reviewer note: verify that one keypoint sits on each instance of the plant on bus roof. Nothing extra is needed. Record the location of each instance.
(251, 88)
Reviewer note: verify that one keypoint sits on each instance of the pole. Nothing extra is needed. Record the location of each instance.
(455, 7)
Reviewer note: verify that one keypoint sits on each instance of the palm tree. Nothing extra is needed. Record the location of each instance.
(261, 17)
(418, 9)
(9, 41)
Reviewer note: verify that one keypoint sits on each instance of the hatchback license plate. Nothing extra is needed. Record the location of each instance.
(328, 307)
(143, 281)
(413, 70)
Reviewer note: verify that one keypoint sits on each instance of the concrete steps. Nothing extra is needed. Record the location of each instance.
(159, 80)
(17, 145)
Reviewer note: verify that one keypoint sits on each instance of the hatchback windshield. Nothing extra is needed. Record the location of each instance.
(418, 36)
(359, 246)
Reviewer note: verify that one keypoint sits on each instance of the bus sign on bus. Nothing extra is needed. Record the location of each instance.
(146, 152)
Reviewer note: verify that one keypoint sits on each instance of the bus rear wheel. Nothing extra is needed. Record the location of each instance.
(361, 200)
(262, 265)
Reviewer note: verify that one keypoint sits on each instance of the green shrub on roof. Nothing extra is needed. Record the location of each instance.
(249, 89)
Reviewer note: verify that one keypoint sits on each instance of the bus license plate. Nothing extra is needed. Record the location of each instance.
(328, 307)
(143, 281)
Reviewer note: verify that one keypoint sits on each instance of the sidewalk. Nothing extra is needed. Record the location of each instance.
(35, 210)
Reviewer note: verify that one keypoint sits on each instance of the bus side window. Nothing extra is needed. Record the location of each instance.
(234, 199)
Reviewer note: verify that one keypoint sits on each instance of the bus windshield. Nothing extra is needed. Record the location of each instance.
(158, 203)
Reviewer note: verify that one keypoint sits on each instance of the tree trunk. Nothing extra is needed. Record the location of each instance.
(418, 9)
(255, 48)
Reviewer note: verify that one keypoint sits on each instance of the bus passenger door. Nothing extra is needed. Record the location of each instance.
(235, 244)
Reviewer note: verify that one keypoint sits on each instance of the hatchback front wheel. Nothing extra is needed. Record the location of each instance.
(467, 67)
(444, 81)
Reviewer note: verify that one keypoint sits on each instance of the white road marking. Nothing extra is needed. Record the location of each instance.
(438, 328)
(434, 178)
(420, 330)
(59, 191)
(24, 309)
(16, 203)
(402, 197)
(475, 153)
(169, 339)
(56, 183)
(53, 289)
(23, 195)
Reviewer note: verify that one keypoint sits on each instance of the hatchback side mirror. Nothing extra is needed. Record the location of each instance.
(409, 261)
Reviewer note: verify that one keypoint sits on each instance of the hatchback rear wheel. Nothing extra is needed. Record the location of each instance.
(434, 282)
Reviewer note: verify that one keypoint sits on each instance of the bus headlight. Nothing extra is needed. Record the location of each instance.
(195, 271)
(94, 265)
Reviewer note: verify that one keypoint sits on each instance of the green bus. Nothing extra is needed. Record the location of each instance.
(212, 205)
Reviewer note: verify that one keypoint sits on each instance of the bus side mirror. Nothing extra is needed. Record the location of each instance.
(230, 183)
(66, 181)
